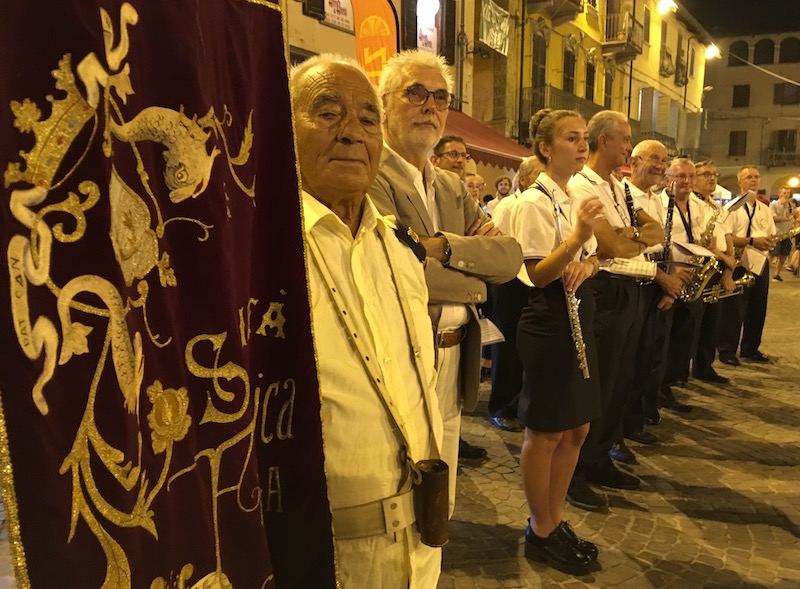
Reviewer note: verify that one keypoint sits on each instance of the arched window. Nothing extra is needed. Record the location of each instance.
(790, 50)
(736, 50)
(764, 52)
(569, 71)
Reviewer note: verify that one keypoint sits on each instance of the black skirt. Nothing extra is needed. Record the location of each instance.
(555, 396)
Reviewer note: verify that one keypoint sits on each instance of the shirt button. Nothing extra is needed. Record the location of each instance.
(461, 264)
(387, 360)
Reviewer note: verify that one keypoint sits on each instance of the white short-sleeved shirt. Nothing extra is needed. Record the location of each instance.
(699, 215)
(611, 192)
(779, 209)
(533, 222)
(654, 204)
(756, 216)
(501, 216)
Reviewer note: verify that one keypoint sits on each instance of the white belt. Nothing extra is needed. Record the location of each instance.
(385, 516)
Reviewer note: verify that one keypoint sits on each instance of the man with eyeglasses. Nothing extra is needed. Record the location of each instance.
(704, 187)
(464, 249)
(450, 153)
(752, 229)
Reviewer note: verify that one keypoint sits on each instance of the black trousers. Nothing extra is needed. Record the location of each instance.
(508, 301)
(686, 321)
(706, 340)
(617, 301)
(646, 374)
(748, 309)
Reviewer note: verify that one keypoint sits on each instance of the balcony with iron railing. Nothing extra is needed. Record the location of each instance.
(558, 11)
(665, 66)
(624, 37)
(534, 99)
(780, 158)
(669, 142)
(681, 72)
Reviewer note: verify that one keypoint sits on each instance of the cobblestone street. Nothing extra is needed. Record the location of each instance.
(719, 505)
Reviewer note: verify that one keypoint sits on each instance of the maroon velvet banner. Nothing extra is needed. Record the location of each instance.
(160, 410)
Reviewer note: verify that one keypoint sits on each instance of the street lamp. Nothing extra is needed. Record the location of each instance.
(794, 182)
(665, 6)
(712, 52)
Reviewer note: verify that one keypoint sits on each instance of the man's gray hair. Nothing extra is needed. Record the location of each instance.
(324, 61)
(528, 166)
(645, 146)
(401, 65)
(603, 123)
(679, 161)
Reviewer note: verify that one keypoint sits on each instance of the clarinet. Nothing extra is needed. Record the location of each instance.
(573, 303)
(668, 226)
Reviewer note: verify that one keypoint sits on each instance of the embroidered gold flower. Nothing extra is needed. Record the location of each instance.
(26, 114)
(168, 419)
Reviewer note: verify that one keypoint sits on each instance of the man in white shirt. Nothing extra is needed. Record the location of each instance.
(752, 229)
(624, 233)
(464, 249)
(502, 187)
(783, 211)
(372, 334)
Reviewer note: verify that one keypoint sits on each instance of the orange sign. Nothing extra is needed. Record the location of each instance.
(376, 35)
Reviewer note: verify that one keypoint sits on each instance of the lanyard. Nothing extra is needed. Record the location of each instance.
(544, 191)
(750, 217)
(687, 222)
(364, 353)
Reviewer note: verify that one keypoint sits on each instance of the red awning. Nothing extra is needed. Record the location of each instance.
(484, 143)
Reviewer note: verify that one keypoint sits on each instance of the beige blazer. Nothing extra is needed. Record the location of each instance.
(474, 260)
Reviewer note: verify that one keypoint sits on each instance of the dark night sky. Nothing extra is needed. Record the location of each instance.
(745, 17)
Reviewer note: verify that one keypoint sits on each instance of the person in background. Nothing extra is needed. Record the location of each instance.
(369, 467)
(475, 186)
(450, 154)
(558, 401)
(783, 213)
(502, 186)
(464, 250)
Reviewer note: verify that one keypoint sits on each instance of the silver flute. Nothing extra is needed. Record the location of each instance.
(573, 303)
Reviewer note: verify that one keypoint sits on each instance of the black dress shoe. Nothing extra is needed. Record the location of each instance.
(471, 454)
(508, 424)
(556, 551)
(729, 359)
(667, 399)
(652, 417)
(610, 476)
(711, 375)
(586, 547)
(642, 437)
(757, 357)
(621, 453)
(581, 495)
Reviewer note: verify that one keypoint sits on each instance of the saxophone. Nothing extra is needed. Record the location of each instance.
(708, 266)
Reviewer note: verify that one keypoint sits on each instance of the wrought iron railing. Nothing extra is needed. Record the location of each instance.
(623, 28)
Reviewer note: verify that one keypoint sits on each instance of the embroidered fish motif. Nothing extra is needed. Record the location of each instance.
(188, 163)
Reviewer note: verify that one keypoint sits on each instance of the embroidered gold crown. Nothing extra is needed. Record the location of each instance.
(54, 135)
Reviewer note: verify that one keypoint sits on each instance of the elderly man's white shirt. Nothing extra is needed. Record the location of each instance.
(361, 450)
(501, 216)
(652, 203)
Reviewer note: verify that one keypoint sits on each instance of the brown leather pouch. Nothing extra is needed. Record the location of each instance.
(431, 502)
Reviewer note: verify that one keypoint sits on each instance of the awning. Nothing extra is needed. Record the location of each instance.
(484, 143)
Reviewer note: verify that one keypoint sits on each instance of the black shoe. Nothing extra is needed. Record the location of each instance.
(710, 375)
(586, 547)
(757, 357)
(471, 454)
(610, 476)
(667, 400)
(508, 424)
(642, 437)
(777, 279)
(652, 417)
(581, 495)
(729, 359)
(556, 551)
(621, 453)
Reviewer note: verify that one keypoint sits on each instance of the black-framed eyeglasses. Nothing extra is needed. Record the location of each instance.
(708, 175)
(418, 94)
(455, 155)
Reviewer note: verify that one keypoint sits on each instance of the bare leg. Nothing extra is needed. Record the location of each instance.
(536, 461)
(563, 464)
(779, 267)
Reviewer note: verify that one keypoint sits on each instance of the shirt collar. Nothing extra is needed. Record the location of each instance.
(636, 191)
(413, 172)
(552, 188)
(314, 213)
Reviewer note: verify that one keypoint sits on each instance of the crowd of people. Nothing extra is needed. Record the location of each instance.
(608, 294)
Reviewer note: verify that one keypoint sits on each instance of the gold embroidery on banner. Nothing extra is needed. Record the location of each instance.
(137, 228)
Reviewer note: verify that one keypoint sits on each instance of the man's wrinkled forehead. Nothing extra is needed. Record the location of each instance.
(332, 83)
